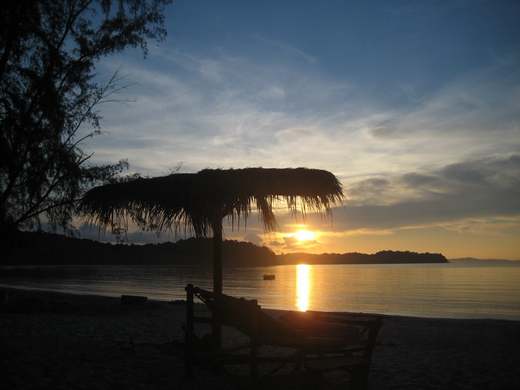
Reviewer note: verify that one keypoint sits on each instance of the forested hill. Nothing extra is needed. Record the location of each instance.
(53, 249)
(45, 248)
(383, 257)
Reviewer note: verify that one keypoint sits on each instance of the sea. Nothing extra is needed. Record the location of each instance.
(452, 290)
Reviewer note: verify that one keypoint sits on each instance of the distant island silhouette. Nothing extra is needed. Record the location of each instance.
(478, 261)
(37, 248)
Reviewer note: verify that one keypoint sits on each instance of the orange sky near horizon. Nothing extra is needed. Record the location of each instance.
(479, 238)
(450, 240)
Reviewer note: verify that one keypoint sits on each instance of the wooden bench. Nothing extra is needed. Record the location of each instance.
(320, 342)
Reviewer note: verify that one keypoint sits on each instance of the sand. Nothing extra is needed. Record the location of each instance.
(61, 341)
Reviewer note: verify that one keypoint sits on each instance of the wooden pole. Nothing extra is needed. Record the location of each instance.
(216, 326)
(217, 257)
(253, 364)
(189, 332)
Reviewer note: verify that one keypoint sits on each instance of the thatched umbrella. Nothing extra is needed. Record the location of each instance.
(200, 201)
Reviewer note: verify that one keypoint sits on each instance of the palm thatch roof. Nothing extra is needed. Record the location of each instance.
(199, 200)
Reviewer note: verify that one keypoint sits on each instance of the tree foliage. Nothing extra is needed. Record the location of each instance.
(49, 95)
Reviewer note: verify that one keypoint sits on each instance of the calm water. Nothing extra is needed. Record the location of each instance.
(428, 290)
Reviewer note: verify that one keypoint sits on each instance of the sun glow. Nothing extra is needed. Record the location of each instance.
(304, 235)
(303, 286)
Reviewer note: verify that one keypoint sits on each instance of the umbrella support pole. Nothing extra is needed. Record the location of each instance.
(216, 327)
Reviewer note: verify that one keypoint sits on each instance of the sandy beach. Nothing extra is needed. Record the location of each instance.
(63, 341)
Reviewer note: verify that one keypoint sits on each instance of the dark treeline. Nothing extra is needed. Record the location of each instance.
(382, 257)
(44, 248)
(52, 249)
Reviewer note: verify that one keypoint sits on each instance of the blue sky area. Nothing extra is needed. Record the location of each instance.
(414, 105)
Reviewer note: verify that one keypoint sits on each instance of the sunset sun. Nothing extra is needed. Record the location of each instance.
(304, 235)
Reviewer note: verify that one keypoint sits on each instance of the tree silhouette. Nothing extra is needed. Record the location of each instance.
(49, 94)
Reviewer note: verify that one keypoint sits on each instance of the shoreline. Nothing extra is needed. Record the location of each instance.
(60, 340)
(7, 287)
(117, 296)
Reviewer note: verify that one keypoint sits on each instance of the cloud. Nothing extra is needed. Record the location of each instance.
(215, 110)
(369, 190)
(288, 49)
(242, 112)
(484, 188)
(483, 102)
(292, 244)
(253, 237)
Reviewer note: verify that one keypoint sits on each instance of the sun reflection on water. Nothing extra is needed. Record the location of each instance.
(303, 286)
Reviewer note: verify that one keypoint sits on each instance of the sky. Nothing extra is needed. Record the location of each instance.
(413, 105)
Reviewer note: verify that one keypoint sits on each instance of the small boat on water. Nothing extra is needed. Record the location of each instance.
(269, 277)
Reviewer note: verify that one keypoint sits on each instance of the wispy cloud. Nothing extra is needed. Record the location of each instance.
(244, 114)
(285, 47)
(485, 188)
